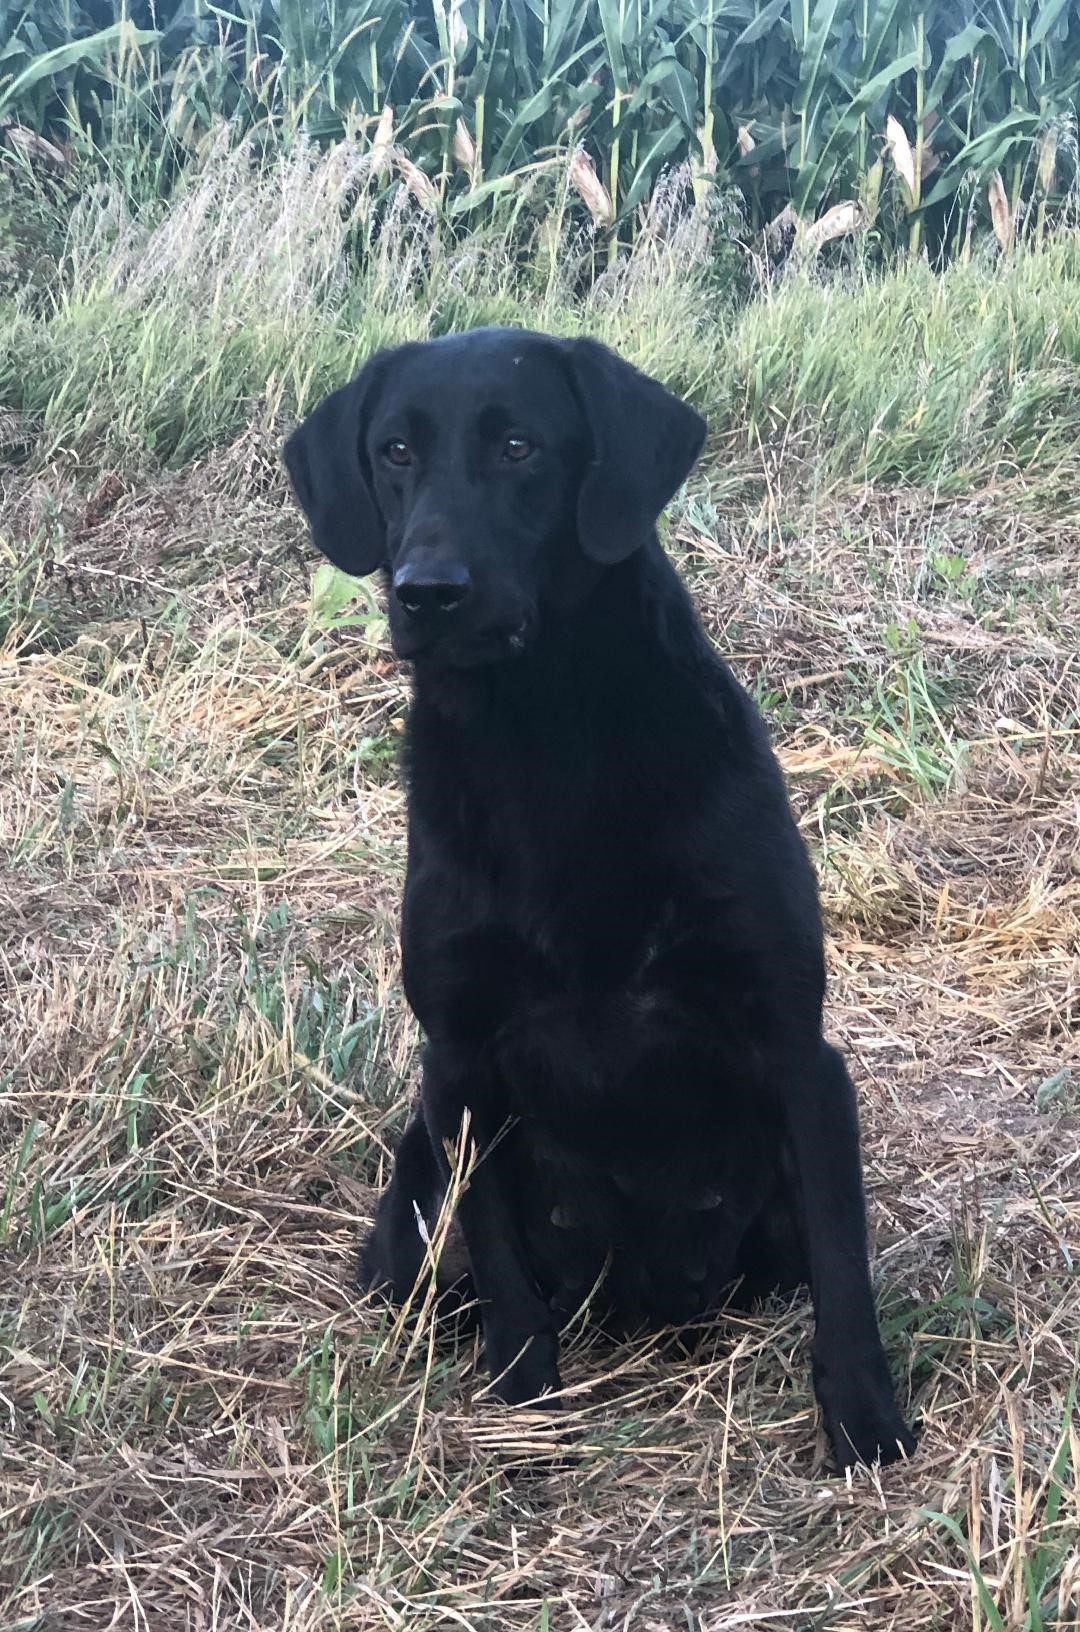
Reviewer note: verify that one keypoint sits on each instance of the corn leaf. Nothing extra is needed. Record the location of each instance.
(75, 52)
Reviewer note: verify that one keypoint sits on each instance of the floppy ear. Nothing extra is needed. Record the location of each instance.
(328, 470)
(645, 441)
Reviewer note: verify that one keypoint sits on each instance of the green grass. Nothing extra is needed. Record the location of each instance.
(205, 1054)
(240, 302)
(947, 379)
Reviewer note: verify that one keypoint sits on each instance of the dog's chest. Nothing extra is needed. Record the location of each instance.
(566, 843)
(573, 862)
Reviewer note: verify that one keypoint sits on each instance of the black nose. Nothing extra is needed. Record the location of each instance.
(431, 588)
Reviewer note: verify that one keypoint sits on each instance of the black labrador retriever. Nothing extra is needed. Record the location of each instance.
(610, 934)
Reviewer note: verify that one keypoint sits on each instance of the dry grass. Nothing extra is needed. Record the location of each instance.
(205, 1054)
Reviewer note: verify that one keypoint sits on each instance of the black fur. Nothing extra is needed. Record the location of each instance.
(611, 932)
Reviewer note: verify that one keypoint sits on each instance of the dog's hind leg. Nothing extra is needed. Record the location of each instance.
(773, 1256)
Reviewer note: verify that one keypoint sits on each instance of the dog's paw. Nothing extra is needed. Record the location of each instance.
(373, 1273)
(524, 1367)
(861, 1415)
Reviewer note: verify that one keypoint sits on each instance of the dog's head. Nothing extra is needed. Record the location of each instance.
(480, 470)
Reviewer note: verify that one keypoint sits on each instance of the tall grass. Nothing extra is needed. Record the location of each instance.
(940, 378)
(909, 108)
(171, 327)
(166, 330)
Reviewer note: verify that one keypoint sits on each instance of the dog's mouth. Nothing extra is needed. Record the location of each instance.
(464, 648)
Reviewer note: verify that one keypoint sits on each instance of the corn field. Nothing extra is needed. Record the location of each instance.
(911, 118)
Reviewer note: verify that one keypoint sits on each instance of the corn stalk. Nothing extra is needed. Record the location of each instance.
(491, 96)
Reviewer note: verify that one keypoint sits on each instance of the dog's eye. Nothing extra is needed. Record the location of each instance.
(398, 453)
(516, 448)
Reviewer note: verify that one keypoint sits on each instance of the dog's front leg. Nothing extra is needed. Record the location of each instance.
(851, 1375)
(520, 1333)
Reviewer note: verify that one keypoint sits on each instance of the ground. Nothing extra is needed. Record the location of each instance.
(205, 1056)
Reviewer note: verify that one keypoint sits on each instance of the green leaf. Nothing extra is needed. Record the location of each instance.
(562, 14)
(868, 93)
(648, 168)
(69, 55)
(681, 90)
(989, 1608)
(1048, 17)
(332, 591)
(534, 108)
(1055, 1089)
(494, 185)
(1035, 1622)
(753, 32)
(612, 24)
(676, 83)
(822, 16)
(985, 153)
(960, 46)
(1056, 1484)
